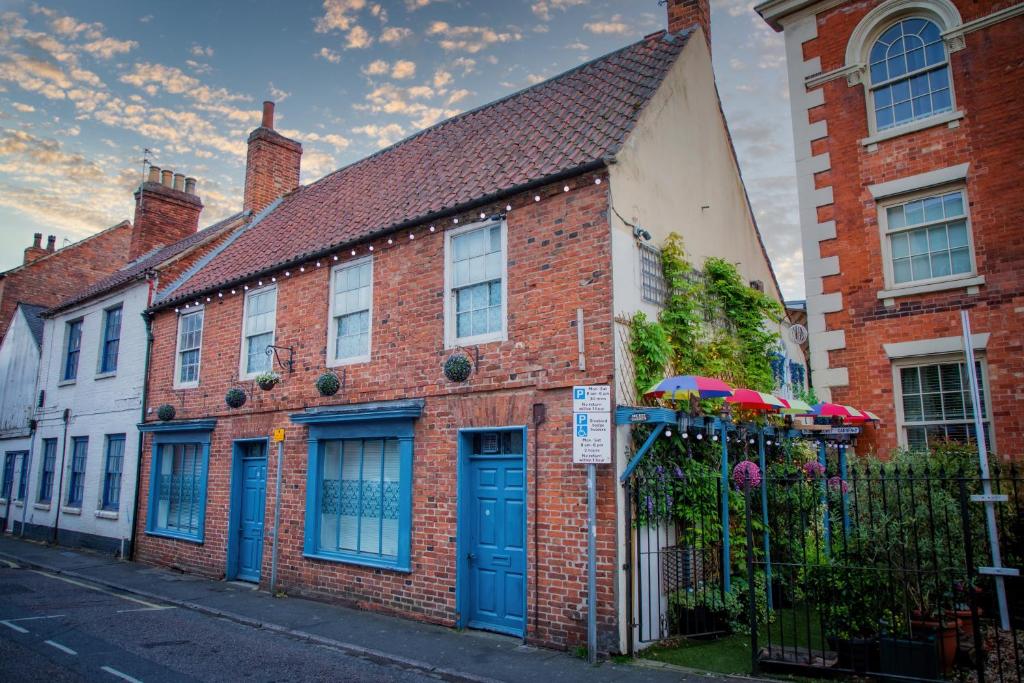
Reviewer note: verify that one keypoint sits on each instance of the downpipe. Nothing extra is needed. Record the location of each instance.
(148, 319)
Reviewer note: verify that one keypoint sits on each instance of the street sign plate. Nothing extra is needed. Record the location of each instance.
(592, 399)
(591, 425)
(278, 435)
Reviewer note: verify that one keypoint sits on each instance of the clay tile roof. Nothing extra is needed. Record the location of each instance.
(567, 124)
(138, 268)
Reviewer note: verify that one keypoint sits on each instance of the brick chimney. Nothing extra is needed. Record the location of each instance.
(51, 243)
(682, 14)
(271, 165)
(166, 210)
(36, 251)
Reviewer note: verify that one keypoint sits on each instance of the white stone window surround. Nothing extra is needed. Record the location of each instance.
(177, 383)
(907, 189)
(451, 338)
(243, 355)
(333, 314)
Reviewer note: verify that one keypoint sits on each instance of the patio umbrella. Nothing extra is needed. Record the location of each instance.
(682, 387)
(794, 406)
(754, 400)
(836, 410)
(865, 416)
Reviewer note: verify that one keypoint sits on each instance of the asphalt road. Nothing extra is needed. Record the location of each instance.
(53, 628)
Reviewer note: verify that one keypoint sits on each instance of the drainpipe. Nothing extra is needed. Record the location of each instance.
(277, 518)
(60, 483)
(26, 465)
(148, 319)
(540, 416)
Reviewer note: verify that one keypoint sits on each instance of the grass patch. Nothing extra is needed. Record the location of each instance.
(728, 655)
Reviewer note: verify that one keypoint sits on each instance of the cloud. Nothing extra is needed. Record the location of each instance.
(395, 34)
(198, 67)
(442, 78)
(154, 77)
(338, 15)
(377, 67)
(614, 26)
(23, 108)
(542, 8)
(198, 50)
(467, 64)
(384, 135)
(278, 94)
(328, 54)
(146, 19)
(27, 154)
(577, 45)
(458, 96)
(413, 5)
(471, 39)
(403, 69)
(358, 38)
(106, 48)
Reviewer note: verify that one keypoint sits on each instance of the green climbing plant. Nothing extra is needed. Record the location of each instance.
(651, 352)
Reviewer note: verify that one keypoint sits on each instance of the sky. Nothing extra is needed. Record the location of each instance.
(86, 87)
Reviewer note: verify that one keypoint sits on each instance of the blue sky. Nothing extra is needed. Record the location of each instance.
(85, 86)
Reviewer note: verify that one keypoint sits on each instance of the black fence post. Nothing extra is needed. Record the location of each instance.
(751, 583)
(965, 517)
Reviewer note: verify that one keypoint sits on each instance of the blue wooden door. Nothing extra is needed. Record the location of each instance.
(495, 517)
(250, 520)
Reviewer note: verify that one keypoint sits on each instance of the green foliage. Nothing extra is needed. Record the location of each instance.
(682, 317)
(651, 352)
(807, 395)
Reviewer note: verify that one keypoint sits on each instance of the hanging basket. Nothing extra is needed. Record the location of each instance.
(267, 380)
(458, 367)
(166, 412)
(235, 398)
(328, 384)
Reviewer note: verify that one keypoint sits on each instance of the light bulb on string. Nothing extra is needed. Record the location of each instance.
(371, 247)
(390, 241)
(668, 433)
(353, 252)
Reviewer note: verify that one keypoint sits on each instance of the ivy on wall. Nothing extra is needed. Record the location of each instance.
(711, 325)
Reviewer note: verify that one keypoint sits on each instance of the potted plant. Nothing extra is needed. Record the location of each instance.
(165, 412)
(235, 398)
(267, 380)
(457, 368)
(328, 384)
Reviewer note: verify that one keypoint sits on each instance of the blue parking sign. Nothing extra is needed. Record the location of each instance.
(579, 393)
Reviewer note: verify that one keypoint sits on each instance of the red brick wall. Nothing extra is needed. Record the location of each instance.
(271, 168)
(989, 136)
(559, 259)
(51, 279)
(164, 217)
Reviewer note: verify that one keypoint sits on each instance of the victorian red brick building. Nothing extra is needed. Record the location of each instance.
(908, 135)
(505, 238)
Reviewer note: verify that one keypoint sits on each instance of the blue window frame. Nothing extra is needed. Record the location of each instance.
(8, 482)
(73, 350)
(177, 481)
(111, 339)
(23, 476)
(359, 483)
(112, 472)
(49, 463)
(76, 483)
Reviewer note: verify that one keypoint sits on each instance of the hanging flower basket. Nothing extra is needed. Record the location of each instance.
(235, 398)
(165, 412)
(746, 473)
(267, 380)
(328, 384)
(457, 368)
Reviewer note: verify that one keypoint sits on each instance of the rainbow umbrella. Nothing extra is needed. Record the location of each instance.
(836, 410)
(682, 387)
(865, 416)
(794, 406)
(754, 400)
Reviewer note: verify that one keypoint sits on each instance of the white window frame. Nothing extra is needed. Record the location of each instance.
(177, 383)
(892, 288)
(332, 331)
(243, 350)
(938, 359)
(451, 340)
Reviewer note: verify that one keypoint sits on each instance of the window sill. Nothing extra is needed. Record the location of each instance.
(19, 504)
(67, 382)
(340, 362)
(175, 536)
(181, 387)
(3, 501)
(68, 510)
(107, 514)
(45, 507)
(463, 342)
(105, 375)
(889, 295)
(359, 561)
(913, 127)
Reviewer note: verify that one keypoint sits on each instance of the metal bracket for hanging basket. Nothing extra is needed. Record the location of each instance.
(273, 351)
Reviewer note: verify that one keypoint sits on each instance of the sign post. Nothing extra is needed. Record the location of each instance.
(279, 440)
(592, 446)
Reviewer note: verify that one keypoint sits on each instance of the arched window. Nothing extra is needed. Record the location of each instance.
(909, 73)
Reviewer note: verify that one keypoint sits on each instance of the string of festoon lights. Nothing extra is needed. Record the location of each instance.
(698, 434)
(360, 251)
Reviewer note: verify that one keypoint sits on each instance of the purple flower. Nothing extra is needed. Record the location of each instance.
(837, 484)
(679, 472)
(746, 473)
(660, 470)
(650, 505)
(814, 469)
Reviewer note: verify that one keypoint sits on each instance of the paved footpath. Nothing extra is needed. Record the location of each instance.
(407, 648)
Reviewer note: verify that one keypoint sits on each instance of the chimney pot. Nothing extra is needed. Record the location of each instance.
(268, 115)
(51, 243)
(37, 240)
(190, 185)
(682, 14)
(167, 178)
(154, 174)
(179, 182)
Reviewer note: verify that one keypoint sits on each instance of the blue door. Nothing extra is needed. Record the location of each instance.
(494, 522)
(252, 496)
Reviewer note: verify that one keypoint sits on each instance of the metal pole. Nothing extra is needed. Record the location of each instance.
(277, 519)
(591, 564)
(979, 431)
(764, 517)
(726, 568)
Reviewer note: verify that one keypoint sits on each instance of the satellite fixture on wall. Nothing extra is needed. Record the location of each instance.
(798, 333)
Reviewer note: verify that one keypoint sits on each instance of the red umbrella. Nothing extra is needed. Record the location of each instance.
(683, 387)
(754, 400)
(836, 410)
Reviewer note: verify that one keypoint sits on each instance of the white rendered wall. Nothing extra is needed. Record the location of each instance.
(19, 363)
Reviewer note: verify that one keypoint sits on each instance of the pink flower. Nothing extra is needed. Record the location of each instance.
(746, 473)
(814, 469)
(837, 484)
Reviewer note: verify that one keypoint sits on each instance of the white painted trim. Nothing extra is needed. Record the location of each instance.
(942, 12)
(332, 337)
(921, 181)
(932, 347)
(778, 13)
(71, 511)
(107, 514)
(242, 356)
(450, 339)
(938, 286)
(103, 340)
(945, 118)
(182, 313)
(955, 36)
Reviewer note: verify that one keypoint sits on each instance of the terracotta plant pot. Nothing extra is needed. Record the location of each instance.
(946, 639)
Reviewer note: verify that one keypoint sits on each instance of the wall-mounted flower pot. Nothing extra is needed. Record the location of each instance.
(166, 412)
(235, 398)
(328, 384)
(458, 367)
(267, 380)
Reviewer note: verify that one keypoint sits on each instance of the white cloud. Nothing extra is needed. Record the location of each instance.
(542, 8)
(442, 78)
(413, 5)
(614, 26)
(458, 96)
(577, 45)
(377, 67)
(358, 38)
(403, 69)
(146, 19)
(338, 15)
(106, 48)
(154, 77)
(384, 135)
(198, 67)
(395, 34)
(23, 108)
(328, 54)
(471, 39)
(278, 94)
(198, 50)
(467, 64)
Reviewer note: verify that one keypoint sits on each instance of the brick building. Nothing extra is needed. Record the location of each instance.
(507, 235)
(908, 148)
